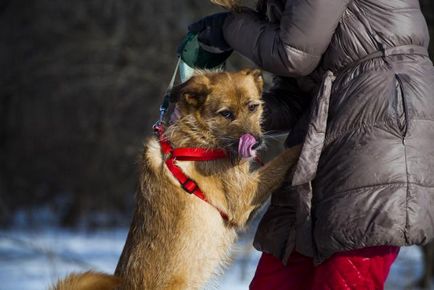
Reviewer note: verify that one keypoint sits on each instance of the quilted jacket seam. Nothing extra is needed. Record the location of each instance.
(384, 185)
(420, 119)
(331, 137)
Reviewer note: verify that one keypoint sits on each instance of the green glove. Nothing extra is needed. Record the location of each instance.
(195, 56)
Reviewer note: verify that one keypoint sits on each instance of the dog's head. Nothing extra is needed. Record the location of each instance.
(221, 107)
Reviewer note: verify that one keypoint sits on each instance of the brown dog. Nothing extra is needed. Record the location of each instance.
(177, 240)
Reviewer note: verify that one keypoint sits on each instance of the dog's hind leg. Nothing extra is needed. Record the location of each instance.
(178, 282)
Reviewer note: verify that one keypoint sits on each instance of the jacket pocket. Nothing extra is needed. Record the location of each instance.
(401, 107)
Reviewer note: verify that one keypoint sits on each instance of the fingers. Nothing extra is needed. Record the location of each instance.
(206, 35)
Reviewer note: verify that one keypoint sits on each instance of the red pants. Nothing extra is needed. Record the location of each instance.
(364, 269)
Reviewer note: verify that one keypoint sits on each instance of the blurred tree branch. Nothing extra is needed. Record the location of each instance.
(80, 86)
(80, 89)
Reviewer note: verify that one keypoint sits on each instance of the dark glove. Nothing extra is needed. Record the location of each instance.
(284, 104)
(210, 33)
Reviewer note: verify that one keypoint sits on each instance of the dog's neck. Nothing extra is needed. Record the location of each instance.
(188, 132)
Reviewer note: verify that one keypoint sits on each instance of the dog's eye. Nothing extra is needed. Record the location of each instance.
(253, 107)
(227, 115)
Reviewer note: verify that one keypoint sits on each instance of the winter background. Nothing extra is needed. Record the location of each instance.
(33, 259)
(80, 86)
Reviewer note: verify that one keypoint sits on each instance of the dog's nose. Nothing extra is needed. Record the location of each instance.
(257, 144)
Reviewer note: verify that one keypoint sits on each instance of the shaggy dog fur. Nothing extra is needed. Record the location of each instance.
(176, 240)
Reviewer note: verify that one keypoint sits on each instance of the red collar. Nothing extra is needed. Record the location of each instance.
(188, 154)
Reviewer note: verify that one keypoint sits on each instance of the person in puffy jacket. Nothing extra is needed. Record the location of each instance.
(361, 101)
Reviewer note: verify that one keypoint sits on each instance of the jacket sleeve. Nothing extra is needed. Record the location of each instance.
(295, 46)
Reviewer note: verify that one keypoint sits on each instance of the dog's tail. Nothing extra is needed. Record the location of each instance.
(88, 281)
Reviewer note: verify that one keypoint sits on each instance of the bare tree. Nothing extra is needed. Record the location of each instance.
(80, 87)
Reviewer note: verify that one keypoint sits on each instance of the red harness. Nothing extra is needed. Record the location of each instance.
(188, 154)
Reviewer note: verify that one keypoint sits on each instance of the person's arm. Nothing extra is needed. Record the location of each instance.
(293, 48)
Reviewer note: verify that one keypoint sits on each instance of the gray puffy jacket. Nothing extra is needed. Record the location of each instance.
(366, 173)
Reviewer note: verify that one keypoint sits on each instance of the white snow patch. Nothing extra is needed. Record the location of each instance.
(34, 259)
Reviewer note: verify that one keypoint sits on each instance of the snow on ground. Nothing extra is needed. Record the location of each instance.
(33, 259)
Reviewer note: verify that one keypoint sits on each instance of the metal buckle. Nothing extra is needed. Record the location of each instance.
(158, 128)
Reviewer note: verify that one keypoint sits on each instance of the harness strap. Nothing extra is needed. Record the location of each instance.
(188, 154)
(197, 154)
(175, 73)
(165, 105)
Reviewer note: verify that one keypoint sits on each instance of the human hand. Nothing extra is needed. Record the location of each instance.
(210, 33)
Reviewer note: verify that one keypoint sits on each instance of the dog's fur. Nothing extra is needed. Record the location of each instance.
(89, 281)
(176, 240)
(234, 5)
(228, 4)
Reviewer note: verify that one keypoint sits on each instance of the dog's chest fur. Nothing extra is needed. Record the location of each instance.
(186, 233)
(177, 240)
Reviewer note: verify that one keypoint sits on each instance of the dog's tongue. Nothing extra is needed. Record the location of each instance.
(245, 145)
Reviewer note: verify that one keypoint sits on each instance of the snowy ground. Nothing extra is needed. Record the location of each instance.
(32, 259)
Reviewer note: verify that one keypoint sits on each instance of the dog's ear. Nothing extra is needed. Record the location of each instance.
(257, 77)
(193, 92)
